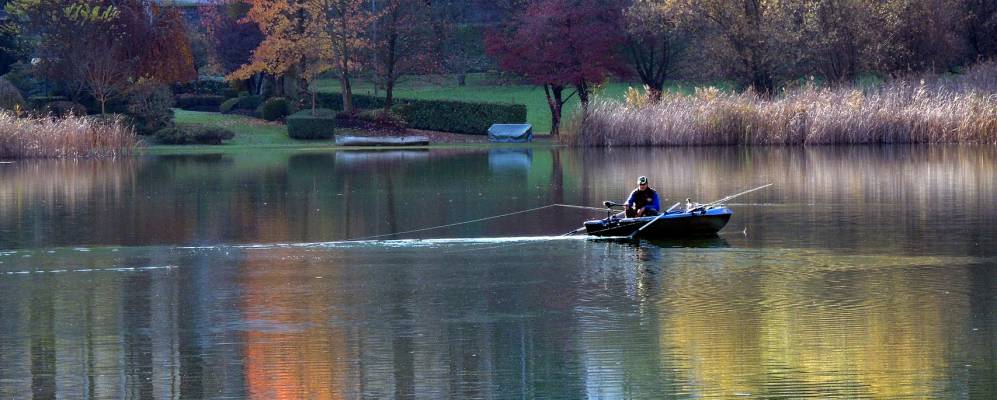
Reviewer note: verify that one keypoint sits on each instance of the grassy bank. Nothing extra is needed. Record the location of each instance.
(253, 133)
(928, 109)
(249, 131)
(481, 88)
(70, 137)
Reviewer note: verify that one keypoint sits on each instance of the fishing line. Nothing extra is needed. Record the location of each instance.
(453, 224)
(580, 207)
(475, 220)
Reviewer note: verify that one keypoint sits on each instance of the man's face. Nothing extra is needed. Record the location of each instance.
(643, 186)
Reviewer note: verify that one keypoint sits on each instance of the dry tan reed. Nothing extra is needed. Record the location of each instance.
(929, 109)
(70, 137)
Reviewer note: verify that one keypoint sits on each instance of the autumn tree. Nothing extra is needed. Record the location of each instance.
(294, 42)
(101, 70)
(305, 38)
(231, 37)
(920, 35)
(654, 42)
(155, 38)
(151, 38)
(461, 45)
(345, 24)
(404, 42)
(747, 35)
(562, 44)
(834, 35)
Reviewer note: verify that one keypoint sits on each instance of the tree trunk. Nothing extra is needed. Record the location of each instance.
(583, 96)
(389, 90)
(761, 81)
(390, 59)
(654, 93)
(461, 79)
(344, 86)
(103, 109)
(651, 56)
(555, 102)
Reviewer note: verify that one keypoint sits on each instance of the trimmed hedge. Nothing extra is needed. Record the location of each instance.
(274, 108)
(193, 134)
(438, 115)
(64, 108)
(460, 117)
(215, 87)
(362, 102)
(39, 102)
(304, 125)
(199, 102)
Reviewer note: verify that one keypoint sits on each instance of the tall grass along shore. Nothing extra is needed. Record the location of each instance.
(930, 109)
(69, 137)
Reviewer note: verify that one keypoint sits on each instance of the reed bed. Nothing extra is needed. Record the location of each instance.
(69, 137)
(928, 109)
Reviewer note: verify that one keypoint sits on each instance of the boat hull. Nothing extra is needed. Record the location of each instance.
(676, 224)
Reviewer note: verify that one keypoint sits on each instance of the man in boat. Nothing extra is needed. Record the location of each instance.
(643, 201)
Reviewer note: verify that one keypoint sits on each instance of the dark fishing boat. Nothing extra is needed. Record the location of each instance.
(695, 220)
(672, 224)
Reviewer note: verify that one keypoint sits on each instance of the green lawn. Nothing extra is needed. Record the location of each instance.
(486, 88)
(254, 133)
(480, 88)
(248, 131)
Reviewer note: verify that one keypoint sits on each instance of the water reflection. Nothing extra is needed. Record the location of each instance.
(846, 283)
(510, 160)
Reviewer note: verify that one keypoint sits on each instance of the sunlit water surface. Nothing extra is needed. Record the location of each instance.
(864, 272)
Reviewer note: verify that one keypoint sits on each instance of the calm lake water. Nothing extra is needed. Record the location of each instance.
(864, 272)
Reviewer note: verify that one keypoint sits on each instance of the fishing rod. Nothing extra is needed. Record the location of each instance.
(702, 207)
(728, 198)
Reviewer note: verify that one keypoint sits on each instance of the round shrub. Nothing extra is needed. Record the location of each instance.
(274, 108)
(10, 96)
(150, 106)
(250, 103)
(171, 135)
(228, 105)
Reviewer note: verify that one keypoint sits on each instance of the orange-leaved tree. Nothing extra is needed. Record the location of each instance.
(305, 38)
(292, 45)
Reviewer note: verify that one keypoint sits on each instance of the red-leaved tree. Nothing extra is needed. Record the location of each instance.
(562, 44)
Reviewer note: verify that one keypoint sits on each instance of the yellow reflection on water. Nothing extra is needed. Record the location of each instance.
(797, 325)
